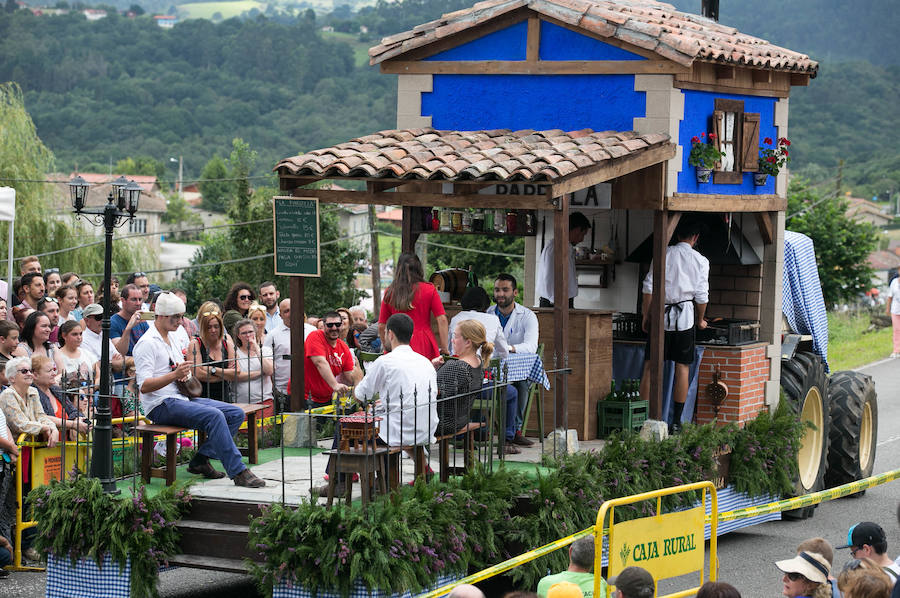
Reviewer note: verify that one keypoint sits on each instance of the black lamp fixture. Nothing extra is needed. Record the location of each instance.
(121, 206)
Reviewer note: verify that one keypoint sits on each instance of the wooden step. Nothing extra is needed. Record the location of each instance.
(222, 511)
(213, 539)
(211, 563)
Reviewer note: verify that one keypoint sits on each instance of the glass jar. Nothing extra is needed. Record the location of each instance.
(478, 221)
(456, 219)
(445, 226)
(500, 221)
(511, 222)
(435, 220)
(467, 221)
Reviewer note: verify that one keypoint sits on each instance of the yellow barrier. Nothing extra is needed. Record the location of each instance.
(671, 544)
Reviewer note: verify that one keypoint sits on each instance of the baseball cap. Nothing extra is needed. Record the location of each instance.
(94, 309)
(635, 582)
(865, 532)
(564, 589)
(810, 565)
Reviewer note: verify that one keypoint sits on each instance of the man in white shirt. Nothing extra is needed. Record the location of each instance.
(279, 340)
(268, 296)
(164, 404)
(406, 385)
(92, 337)
(520, 325)
(687, 285)
(578, 228)
(474, 302)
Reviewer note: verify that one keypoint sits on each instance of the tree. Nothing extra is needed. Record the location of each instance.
(137, 9)
(485, 259)
(842, 245)
(24, 164)
(141, 165)
(178, 212)
(213, 186)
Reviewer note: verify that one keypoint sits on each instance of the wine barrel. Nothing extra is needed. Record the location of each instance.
(451, 280)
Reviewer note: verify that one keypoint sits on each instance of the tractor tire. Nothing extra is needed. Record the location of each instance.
(854, 428)
(805, 387)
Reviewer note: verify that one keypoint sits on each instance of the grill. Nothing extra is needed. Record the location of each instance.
(725, 331)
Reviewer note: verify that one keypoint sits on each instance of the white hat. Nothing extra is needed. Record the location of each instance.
(810, 565)
(168, 304)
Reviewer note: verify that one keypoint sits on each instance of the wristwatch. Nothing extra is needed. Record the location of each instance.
(212, 370)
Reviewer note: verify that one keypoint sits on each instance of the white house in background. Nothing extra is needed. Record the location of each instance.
(864, 210)
(150, 209)
(94, 14)
(166, 21)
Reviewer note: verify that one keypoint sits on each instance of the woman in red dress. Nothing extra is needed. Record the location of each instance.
(411, 295)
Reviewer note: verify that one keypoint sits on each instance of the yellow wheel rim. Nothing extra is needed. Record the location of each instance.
(866, 430)
(810, 456)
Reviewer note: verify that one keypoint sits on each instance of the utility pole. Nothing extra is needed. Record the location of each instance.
(375, 261)
(840, 178)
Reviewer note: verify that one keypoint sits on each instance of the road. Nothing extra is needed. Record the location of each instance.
(746, 558)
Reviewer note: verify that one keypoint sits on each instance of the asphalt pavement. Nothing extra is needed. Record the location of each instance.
(746, 558)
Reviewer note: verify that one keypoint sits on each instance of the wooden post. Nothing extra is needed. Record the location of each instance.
(298, 350)
(407, 237)
(657, 311)
(561, 250)
(375, 261)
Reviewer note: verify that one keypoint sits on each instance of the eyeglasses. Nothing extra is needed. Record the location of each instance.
(49, 300)
(332, 324)
(210, 313)
(795, 576)
(51, 271)
(854, 550)
(139, 274)
(245, 297)
(25, 371)
(99, 318)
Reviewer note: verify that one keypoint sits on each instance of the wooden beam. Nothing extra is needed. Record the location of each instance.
(775, 93)
(561, 250)
(672, 225)
(766, 226)
(533, 45)
(696, 202)
(289, 182)
(430, 200)
(298, 306)
(760, 76)
(408, 238)
(801, 79)
(657, 313)
(640, 190)
(611, 169)
(527, 67)
(724, 72)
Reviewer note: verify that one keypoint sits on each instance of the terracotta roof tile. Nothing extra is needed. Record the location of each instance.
(648, 24)
(498, 155)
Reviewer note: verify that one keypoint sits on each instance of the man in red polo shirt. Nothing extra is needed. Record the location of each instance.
(329, 366)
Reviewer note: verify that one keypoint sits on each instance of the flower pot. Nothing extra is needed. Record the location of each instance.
(760, 178)
(86, 578)
(703, 174)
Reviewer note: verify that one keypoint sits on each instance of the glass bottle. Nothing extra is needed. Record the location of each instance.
(478, 221)
(435, 220)
(445, 225)
(467, 221)
(511, 222)
(500, 220)
(489, 221)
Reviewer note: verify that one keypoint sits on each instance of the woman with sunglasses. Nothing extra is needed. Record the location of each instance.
(257, 361)
(212, 352)
(52, 281)
(257, 315)
(54, 401)
(85, 297)
(35, 339)
(237, 304)
(67, 297)
(804, 574)
(21, 403)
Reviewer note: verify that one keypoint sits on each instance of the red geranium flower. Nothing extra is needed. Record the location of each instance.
(770, 159)
(712, 135)
(702, 134)
(767, 141)
(695, 139)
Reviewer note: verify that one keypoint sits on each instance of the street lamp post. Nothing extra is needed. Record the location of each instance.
(121, 205)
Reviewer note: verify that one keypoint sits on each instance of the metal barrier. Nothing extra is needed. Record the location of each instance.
(667, 545)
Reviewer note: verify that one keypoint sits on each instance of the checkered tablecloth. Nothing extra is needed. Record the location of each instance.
(525, 366)
(801, 299)
(86, 579)
(284, 590)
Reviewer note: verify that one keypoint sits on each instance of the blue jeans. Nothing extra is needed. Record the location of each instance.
(511, 395)
(5, 558)
(221, 421)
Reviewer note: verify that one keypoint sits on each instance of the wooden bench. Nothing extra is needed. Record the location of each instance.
(419, 456)
(368, 463)
(148, 433)
(468, 432)
(251, 410)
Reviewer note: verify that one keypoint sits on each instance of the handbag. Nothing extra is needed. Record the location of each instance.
(190, 386)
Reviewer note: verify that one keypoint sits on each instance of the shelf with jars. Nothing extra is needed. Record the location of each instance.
(475, 221)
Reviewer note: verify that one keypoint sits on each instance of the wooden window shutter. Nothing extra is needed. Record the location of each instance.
(750, 142)
(717, 128)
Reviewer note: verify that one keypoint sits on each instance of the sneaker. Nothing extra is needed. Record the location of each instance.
(248, 480)
(206, 470)
(4, 573)
(510, 449)
(675, 429)
(521, 440)
(322, 491)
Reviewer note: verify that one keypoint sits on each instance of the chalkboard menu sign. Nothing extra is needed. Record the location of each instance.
(296, 236)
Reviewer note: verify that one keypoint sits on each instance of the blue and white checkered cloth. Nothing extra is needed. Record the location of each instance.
(525, 366)
(801, 299)
(283, 590)
(86, 579)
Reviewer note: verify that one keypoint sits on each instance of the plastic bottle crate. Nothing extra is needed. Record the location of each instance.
(620, 415)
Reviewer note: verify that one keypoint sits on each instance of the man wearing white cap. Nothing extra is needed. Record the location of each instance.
(158, 364)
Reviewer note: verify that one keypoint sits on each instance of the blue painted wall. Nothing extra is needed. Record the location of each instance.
(559, 43)
(698, 109)
(567, 102)
(506, 44)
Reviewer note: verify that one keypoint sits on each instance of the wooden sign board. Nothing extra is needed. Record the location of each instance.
(296, 228)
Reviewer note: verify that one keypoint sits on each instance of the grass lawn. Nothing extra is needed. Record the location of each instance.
(205, 10)
(360, 49)
(850, 346)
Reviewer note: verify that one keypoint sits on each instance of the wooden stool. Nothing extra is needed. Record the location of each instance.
(251, 410)
(369, 464)
(468, 450)
(148, 433)
(419, 456)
